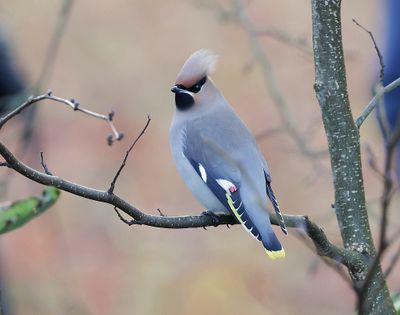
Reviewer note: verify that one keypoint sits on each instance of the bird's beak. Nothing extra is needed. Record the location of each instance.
(176, 89)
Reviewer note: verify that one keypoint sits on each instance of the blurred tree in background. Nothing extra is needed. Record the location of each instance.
(11, 82)
(391, 72)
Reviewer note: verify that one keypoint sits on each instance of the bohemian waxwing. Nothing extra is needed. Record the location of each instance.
(218, 157)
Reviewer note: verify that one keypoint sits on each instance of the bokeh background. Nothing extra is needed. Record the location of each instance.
(79, 258)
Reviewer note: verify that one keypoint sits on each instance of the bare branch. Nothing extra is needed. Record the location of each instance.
(375, 100)
(112, 185)
(46, 170)
(351, 259)
(128, 222)
(378, 52)
(71, 103)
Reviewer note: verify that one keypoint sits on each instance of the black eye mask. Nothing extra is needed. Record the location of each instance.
(196, 87)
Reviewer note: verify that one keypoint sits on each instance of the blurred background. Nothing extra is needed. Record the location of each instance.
(78, 257)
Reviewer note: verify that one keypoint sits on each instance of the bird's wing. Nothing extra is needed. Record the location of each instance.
(218, 171)
(272, 198)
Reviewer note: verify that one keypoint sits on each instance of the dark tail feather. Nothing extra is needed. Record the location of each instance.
(278, 212)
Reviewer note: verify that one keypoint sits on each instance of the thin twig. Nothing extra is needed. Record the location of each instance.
(128, 222)
(381, 80)
(46, 170)
(159, 211)
(112, 185)
(374, 101)
(71, 103)
(378, 52)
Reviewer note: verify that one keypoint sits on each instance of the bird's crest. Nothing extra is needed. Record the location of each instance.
(201, 63)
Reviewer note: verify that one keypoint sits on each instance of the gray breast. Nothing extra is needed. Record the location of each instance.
(193, 181)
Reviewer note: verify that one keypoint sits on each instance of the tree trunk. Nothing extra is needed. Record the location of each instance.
(344, 148)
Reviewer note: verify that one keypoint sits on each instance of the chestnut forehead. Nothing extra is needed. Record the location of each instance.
(189, 80)
(194, 87)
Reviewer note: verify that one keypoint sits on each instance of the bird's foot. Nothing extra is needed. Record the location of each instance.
(215, 218)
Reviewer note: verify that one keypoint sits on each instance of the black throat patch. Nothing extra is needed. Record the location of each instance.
(183, 101)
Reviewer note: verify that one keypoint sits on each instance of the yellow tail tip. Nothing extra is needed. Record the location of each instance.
(275, 254)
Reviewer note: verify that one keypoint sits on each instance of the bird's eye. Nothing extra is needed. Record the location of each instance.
(197, 87)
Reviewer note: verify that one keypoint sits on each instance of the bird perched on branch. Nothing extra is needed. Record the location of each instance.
(218, 157)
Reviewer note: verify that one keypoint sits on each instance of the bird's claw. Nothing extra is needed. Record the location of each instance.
(215, 218)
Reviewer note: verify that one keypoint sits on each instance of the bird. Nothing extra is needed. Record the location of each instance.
(218, 157)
